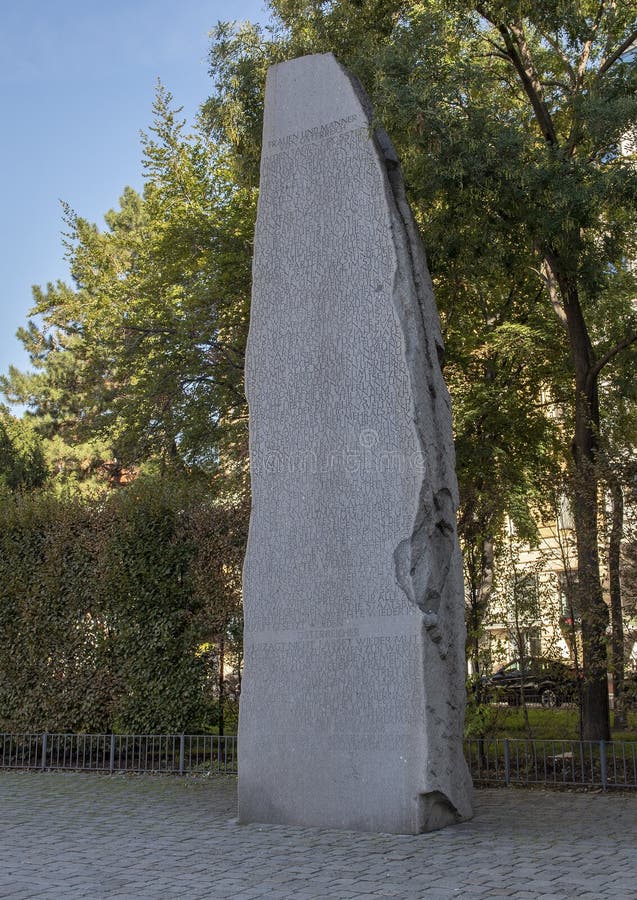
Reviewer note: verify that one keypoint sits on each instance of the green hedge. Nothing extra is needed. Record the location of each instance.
(111, 610)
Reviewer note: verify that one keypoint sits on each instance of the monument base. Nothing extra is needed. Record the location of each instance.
(372, 803)
(355, 744)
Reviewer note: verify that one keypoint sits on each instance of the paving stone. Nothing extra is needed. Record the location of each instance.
(100, 837)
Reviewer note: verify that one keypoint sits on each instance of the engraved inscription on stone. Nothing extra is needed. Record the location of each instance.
(352, 697)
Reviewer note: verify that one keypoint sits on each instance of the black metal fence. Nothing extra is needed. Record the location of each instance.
(549, 763)
(586, 764)
(169, 753)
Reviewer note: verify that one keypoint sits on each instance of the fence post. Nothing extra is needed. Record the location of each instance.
(182, 751)
(111, 764)
(603, 764)
(44, 736)
(507, 763)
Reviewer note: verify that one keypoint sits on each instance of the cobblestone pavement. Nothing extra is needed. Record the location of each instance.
(69, 835)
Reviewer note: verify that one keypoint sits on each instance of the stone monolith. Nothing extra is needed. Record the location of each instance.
(353, 691)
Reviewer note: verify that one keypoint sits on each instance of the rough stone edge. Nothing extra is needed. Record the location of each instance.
(432, 548)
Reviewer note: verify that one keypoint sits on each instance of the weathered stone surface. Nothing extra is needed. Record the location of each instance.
(353, 693)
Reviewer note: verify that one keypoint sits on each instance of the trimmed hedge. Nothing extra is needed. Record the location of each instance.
(111, 610)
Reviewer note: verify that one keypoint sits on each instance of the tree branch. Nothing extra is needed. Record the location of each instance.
(501, 50)
(531, 81)
(555, 46)
(494, 55)
(586, 50)
(546, 274)
(625, 44)
(520, 55)
(553, 83)
(128, 327)
(611, 354)
(612, 9)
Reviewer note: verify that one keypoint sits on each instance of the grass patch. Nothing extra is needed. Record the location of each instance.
(549, 724)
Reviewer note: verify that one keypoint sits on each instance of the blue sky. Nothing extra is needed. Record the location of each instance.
(77, 81)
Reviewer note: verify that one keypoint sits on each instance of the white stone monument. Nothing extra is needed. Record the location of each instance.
(353, 691)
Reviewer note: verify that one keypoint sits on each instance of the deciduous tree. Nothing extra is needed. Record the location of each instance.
(140, 363)
(508, 118)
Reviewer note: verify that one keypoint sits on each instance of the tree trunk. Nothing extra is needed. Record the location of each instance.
(521, 650)
(593, 609)
(617, 619)
(563, 268)
(221, 685)
(481, 588)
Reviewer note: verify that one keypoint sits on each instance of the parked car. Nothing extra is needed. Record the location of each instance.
(540, 680)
